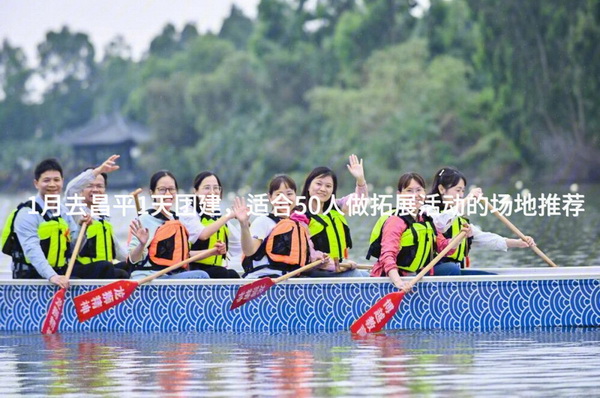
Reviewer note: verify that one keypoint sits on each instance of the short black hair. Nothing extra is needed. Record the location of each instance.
(47, 165)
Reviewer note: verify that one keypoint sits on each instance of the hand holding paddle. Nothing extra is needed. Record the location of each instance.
(379, 314)
(55, 310)
(520, 234)
(252, 290)
(101, 299)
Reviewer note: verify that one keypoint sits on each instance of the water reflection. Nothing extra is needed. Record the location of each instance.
(404, 363)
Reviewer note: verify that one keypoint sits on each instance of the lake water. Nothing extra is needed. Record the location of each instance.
(553, 362)
(538, 363)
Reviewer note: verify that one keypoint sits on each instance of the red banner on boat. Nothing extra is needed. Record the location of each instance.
(99, 300)
(251, 291)
(50, 325)
(377, 316)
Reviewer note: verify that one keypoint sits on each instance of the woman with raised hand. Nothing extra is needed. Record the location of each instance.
(447, 193)
(328, 227)
(158, 238)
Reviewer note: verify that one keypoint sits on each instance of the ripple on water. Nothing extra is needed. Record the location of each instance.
(550, 362)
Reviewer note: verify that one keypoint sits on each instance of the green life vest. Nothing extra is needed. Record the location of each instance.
(417, 243)
(330, 234)
(53, 233)
(222, 235)
(99, 245)
(464, 247)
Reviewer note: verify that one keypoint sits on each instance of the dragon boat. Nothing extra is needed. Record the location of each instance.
(513, 298)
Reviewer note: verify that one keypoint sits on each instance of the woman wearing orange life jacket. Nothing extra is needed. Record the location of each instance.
(158, 239)
(260, 241)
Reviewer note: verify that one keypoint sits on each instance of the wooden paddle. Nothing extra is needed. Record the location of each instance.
(96, 301)
(379, 314)
(50, 325)
(520, 234)
(135, 194)
(252, 290)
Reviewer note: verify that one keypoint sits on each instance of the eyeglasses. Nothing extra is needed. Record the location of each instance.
(163, 190)
(214, 188)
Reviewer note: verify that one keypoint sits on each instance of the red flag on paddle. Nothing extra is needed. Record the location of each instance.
(251, 291)
(99, 300)
(254, 289)
(50, 325)
(94, 302)
(377, 316)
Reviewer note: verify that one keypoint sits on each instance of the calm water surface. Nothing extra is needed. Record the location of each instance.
(538, 363)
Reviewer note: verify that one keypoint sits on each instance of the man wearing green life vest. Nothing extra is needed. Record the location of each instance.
(328, 227)
(100, 246)
(38, 234)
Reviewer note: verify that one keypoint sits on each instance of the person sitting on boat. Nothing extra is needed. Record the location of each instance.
(38, 234)
(158, 238)
(207, 227)
(328, 227)
(100, 243)
(405, 240)
(447, 191)
(269, 252)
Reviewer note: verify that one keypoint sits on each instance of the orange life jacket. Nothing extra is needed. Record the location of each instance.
(286, 247)
(170, 243)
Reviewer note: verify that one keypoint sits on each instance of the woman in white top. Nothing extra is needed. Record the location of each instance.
(447, 191)
(207, 227)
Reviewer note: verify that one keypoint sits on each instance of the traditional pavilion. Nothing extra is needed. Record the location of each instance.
(106, 135)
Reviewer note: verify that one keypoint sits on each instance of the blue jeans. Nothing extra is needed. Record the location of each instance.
(451, 268)
(351, 273)
(186, 275)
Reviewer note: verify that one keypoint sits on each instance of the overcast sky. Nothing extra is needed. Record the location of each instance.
(25, 22)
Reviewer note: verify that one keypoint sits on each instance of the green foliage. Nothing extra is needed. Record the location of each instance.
(237, 28)
(543, 63)
(117, 77)
(19, 158)
(498, 89)
(416, 112)
(378, 24)
(68, 68)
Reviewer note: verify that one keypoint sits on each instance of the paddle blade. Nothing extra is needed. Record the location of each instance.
(50, 325)
(94, 302)
(251, 291)
(378, 315)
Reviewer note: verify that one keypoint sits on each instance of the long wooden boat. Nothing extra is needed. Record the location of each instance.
(515, 298)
